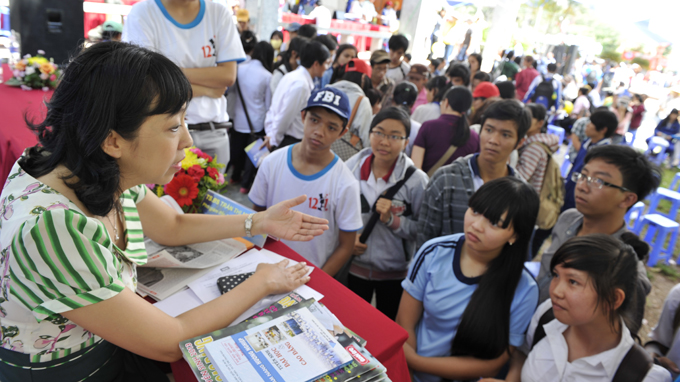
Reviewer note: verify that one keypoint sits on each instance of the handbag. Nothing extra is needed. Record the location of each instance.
(349, 144)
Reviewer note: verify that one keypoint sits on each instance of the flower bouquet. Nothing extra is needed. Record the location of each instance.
(199, 173)
(35, 72)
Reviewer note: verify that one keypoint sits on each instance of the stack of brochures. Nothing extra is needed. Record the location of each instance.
(293, 340)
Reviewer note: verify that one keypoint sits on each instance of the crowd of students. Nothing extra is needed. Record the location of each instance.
(424, 188)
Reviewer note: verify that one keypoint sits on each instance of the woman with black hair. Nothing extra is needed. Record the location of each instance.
(289, 61)
(276, 40)
(251, 97)
(441, 141)
(435, 88)
(404, 96)
(582, 332)
(344, 54)
(73, 211)
(467, 298)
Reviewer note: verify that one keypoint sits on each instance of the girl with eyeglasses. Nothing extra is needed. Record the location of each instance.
(382, 258)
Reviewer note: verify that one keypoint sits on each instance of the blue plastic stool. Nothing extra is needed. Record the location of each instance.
(675, 184)
(663, 227)
(566, 163)
(664, 193)
(533, 267)
(656, 150)
(556, 130)
(633, 217)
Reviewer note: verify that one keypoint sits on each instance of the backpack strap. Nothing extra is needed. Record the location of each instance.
(389, 195)
(245, 109)
(354, 138)
(447, 155)
(634, 366)
(539, 333)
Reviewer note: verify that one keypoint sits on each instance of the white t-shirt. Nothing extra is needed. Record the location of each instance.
(210, 39)
(332, 194)
(398, 74)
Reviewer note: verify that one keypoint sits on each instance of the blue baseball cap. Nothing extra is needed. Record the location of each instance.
(293, 27)
(331, 98)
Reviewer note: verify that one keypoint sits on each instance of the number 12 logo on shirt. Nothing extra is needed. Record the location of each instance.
(209, 50)
(320, 203)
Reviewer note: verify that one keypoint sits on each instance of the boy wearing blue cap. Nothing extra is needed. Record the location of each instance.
(310, 166)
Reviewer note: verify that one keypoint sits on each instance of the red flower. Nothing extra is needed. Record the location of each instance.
(201, 154)
(213, 172)
(183, 188)
(196, 172)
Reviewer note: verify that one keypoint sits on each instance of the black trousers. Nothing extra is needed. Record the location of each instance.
(103, 362)
(243, 169)
(287, 141)
(388, 293)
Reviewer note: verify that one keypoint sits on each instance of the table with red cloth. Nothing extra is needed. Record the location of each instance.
(384, 337)
(15, 137)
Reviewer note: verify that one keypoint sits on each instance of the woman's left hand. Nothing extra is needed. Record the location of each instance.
(280, 221)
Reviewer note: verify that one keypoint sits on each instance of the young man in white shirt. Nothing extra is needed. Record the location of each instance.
(311, 166)
(201, 38)
(283, 123)
(398, 69)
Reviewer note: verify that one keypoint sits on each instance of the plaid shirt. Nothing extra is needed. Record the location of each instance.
(446, 199)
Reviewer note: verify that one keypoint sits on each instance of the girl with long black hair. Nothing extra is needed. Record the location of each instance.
(467, 298)
(289, 61)
(441, 141)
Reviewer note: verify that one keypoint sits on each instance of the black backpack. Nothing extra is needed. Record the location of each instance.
(546, 92)
(633, 367)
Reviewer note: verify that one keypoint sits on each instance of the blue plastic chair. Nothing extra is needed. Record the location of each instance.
(662, 227)
(656, 150)
(670, 195)
(556, 130)
(675, 184)
(634, 216)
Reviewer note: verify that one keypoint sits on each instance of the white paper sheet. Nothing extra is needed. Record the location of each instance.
(205, 289)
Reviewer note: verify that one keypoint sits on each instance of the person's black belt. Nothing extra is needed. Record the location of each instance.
(209, 126)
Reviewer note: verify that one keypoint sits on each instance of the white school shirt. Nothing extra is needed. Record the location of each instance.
(435, 279)
(332, 194)
(277, 75)
(323, 17)
(427, 112)
(253, 81)
(415, 128)
(664, 332)
(398, 74)
(547, 361)
(210, 39)
(290, 97)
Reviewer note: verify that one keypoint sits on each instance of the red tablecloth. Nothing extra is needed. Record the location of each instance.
(384, 337)
(15, 137)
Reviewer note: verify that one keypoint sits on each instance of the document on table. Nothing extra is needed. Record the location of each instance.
(205, 288)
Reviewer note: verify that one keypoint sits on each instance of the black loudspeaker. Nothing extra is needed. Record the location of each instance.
(55, 26)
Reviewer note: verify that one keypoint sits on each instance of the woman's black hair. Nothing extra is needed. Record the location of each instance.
(484, 330)
(440, 84)
(393, 112)
(360, 79)
(248, 40)
(668, 117)
(460, 100)
(264, 52)
(339, 72)
(405, 95)
(279, 34)
(110, 86)
(307, 30)
(605, 120)
(297, 45)
(461, 71)
(477, 57)
(611, 264)
(639, 97)
(507, 89)
(482, 76)
(538, 112)
(374, 96)
(328, 41)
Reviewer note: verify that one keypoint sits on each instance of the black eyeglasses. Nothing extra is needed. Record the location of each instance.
(595, 182)
(381, 136)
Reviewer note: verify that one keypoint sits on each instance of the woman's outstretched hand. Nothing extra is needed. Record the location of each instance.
(280, 278)
(280, 221)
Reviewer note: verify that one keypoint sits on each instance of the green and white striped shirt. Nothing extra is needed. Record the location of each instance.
(55, 259)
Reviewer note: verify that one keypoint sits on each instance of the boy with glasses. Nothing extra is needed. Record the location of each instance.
(612, 180)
